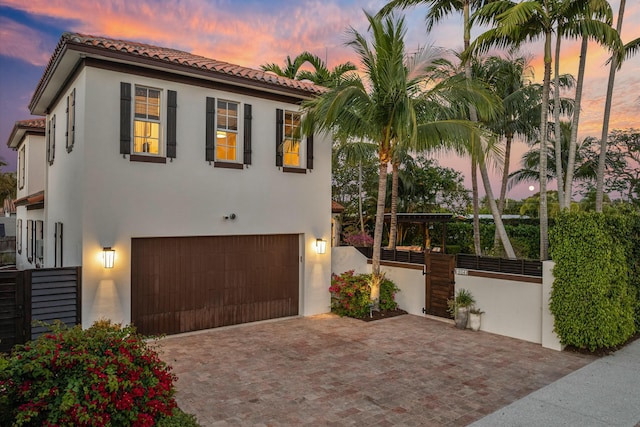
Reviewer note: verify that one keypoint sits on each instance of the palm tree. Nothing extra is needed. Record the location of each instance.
(394, 105)
(321, 75)
(616, 62)
(514, 23)
(291, 68)
(438, 9)
(585, 160)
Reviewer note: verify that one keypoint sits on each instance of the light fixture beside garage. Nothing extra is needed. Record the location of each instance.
(108, 256)
(321, 246)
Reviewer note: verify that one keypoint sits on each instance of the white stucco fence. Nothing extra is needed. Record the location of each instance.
(511, 308)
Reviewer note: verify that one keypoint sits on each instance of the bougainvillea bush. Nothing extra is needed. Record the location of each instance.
(106, 375)
(351, 294)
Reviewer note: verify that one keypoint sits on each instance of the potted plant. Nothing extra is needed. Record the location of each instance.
(474, 318)
(459, 307)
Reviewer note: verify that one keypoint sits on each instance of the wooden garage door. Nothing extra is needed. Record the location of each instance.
(181, 284)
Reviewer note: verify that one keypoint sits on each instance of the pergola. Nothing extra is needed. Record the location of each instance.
(424, 219)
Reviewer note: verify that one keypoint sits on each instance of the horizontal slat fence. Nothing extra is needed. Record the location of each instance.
(500, 265)
(54, 295)
(11, 310)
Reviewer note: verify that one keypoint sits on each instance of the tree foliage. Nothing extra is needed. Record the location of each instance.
(591, 299)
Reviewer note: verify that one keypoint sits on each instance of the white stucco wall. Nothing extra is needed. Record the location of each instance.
(512, 308)
(106, 200)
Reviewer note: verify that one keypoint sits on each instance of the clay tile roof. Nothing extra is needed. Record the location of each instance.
(21, 127)
(34, 123)
(336, 207)
(173, 56)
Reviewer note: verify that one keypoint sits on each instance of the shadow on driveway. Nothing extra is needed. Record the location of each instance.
(330, 371)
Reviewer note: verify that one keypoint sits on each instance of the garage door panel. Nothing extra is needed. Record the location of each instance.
(189, 283)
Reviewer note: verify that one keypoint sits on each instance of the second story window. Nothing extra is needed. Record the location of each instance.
(21, 167)
(146, 123)
(291, 145)
(227, 131)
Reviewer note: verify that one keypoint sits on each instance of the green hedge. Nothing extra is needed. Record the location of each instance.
(591, 299)
(525, 238)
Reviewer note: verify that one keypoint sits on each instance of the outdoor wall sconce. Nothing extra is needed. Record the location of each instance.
(108, 256)
(321, 246)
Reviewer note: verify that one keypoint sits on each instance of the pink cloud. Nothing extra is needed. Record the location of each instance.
(13, 36)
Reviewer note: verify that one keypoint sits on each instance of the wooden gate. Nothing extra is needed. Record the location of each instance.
(440, 281)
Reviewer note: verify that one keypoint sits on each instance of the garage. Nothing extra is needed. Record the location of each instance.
(182, 284)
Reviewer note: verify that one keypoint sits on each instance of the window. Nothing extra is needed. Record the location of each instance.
(227, 131)
(19, 236)
(21, 167)
(71, 120)
(39, 242)
(146, 123)
(31, 237)
(291, 144)
(147, 141)
(226, 145)
(51, 140)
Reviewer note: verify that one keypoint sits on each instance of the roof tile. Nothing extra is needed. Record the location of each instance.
(176, 56)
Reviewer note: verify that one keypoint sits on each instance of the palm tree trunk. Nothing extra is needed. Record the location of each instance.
(476, 206)
(556, 119)
(360, 198)
(497, 218)
(377, 234)
(473, 115)
(503, 185)
(575, 122)
(607, 113)
(544, 216)
(393, 226)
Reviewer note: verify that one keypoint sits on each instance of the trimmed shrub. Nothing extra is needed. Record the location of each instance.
(351, 294)
(106, 375)
(388, 291)
(590, 298)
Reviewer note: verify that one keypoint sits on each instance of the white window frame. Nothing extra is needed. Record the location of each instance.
(160, 121)
(238, 131)
(301, 146)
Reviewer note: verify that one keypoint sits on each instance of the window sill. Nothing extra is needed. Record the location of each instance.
(147, 159)
(293, 170)
(228, 165)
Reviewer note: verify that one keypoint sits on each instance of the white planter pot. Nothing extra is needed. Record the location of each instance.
(474, 321)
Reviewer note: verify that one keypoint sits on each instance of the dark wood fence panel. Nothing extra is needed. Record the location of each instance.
(12, 324)
(500, 265)
(183, 284)
(439, 281)
(54, 295)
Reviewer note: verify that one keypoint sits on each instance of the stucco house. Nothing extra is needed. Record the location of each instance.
(28, 139)
(183, 187)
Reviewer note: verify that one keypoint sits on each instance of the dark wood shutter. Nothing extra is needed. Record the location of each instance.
(49, 141)
(172, 107)
(66, 132)
(53, 140)
(125, 118)
(247, 134)
(310, 151)
(210, 142)
(279, 136)
(72, 125)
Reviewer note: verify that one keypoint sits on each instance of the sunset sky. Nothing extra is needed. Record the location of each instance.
(254, 32)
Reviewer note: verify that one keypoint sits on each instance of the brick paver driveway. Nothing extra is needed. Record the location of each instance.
(331, 371)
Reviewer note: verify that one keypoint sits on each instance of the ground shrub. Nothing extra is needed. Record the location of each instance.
(178, 418)
(106, 375)
(388, 291)
(351, 294)
(591, 299)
